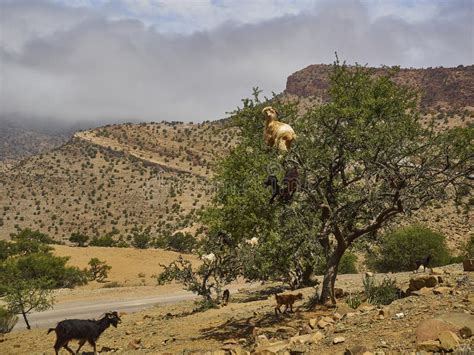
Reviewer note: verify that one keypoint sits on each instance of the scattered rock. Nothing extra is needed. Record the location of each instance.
(443, 290)
(343, 308)
(449, 341)
(262, 340)
(273, 348)
(351, 314)
(436, 271)
(336, 316)
(465, 332)
(399, 315)
(313, 322)
(459, 320)
(468, 264)
(418, 282)
(307, 338)
(328, 319)
(429, 345)
(369, 274)
(430, 328)
(128, 332)
(338, 340)
(366, 307)
(323, 324)
(356, 350)
(135, 344)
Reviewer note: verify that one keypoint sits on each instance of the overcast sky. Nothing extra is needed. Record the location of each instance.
(71, 61)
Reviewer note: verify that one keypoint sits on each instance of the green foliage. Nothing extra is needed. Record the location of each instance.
(79, 239)
(205, 281)
(104, 241)
(98, 270)
(382, 293)
(5, 249)
(400, 249)
(469, 247)
(180, 242)
(27, 241)
(354, 301)
(7, 320)
(347, 264)
(141, 240)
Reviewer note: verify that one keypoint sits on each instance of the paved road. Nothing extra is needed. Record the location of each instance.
(93, 309)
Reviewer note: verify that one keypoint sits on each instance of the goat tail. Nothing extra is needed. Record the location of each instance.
(50, 330)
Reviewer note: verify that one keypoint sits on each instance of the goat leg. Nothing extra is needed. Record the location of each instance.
(65, 346)
(81, 343)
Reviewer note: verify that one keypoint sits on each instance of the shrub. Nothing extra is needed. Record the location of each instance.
(141, 240)
(181, 242)
(79, 239)
(382, 293)
(400, 249)
(98, 270)
(104, 241)
(469, 247)
(49, 267)
(347, 264)
(354, 301)
(7, 320)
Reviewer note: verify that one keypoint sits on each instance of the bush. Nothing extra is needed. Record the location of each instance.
(347, 264)
(79, 239)
(181, 242)
(469, 247)
(104, 241)
(98, 270)
(400, 249)
(7, 320)
(380, 293)
(49, 267)
(141, 240)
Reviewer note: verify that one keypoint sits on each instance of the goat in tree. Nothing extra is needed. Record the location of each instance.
(276, 133)
(290, 185)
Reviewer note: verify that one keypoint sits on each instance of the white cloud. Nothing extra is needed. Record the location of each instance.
(72, 64)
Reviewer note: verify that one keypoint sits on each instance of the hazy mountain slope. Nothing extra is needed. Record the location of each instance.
(116, 177)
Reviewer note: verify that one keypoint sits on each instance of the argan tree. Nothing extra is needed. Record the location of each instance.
(364, 159)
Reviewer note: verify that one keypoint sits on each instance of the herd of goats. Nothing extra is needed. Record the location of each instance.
(276, 134)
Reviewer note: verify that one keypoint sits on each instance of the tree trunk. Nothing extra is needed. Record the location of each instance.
(329, 280)
(26, 320)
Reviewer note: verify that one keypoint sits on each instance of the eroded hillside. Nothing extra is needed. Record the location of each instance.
(115, 178)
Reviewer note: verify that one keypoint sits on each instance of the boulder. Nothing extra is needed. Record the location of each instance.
(468, 264)
(418, 282)
(429, 329)
(429, 345)
(449, 341)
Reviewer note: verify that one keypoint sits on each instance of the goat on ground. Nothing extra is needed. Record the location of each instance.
(277, 133)
(286, 300)
(423, 262)
(82, 330)
(290, 185)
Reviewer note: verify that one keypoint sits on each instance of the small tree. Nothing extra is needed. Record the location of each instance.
(141, 240)
(98, 270)
(79, 239)
(7, 320)
(24, 295)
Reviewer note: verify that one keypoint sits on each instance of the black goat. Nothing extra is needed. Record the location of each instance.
(82, 330)
(290, 184)
(425, 262)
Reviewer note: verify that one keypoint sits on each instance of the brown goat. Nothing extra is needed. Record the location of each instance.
(276, 133)
(286, 300)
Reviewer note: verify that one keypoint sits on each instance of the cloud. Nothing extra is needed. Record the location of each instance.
(73, 64)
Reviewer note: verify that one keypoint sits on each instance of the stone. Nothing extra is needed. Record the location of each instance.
(313, 323)
(443, 290)
(343, 308)
(338, 340)
(465, 332)
(278, 347)
(351, 314)
(328, 320)
(366, 308)
(323, 324)
(429, 345)
(436, 271)
(369, 274)
(429, 329)
(307, 338)
(468, 264)
(336, 316)
(424, 291)
(356, 350)
(449, 341)
(262, 340)
(134, 345)
(459, 320)
(418, 282)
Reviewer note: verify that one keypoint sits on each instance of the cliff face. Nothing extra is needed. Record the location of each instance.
(452, 87)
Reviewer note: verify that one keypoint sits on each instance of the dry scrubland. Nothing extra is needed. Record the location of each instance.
(115, 178)
(250, 319)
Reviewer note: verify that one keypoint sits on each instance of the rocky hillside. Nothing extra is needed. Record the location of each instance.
(114, 178)
(17, 142)
(439, 87)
